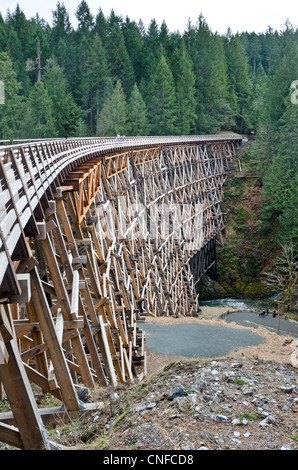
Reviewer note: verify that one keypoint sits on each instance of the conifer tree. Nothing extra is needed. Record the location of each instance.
(112, 120)
(84, 17)
(162, 105)
(65, 111)
(138, 123)
(40, 122)
(94, 80)
(281, 179)
(207, 54)
(240, 86)
(185, 91)
(11, 111)
(119, 62)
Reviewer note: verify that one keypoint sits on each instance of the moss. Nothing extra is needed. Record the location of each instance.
(255, 289)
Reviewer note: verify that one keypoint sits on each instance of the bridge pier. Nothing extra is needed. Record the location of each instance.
(105, 234)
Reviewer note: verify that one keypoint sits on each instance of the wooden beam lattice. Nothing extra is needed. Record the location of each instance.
(95, 235)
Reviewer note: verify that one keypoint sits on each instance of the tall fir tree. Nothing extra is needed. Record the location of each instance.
(66, 113)
(12, 110)
(185, 91)
(208, 57)
(112, 120)
(240, 85)
(138, 124)
(119, 61)
(162, 105)
(40, 121)
(280, 181)
(93, 84)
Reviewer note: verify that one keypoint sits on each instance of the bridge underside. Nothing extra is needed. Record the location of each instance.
(91, 242)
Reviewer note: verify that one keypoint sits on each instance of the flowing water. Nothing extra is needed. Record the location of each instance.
(242, 304)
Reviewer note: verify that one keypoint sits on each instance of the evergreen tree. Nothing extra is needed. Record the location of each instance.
(94, 81)
(40, 122)
(61, 28)
(84, 17)
(112, 120)
(119, 62)
(101, 26)
(281, 179)
(282, 75)
(12, 109)
(259, 87)
(62, 40)
(185, 91)
(207, 54)
(135, 46)
(3, 33)
(240, 86)
(65, 111)
(162, 106)
(138, 123)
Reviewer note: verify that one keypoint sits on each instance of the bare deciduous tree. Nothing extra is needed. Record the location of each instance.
(284, 276)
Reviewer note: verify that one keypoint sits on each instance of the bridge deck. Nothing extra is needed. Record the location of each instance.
(94, 234)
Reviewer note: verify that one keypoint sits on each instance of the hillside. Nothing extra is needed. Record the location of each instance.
(249, 241)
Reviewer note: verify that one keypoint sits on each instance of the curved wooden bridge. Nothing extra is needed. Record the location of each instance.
(95, 234)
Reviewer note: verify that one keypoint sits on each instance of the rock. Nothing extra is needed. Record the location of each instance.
(238, 421)
(264, 423)
(83, 393)
(145, 405)
(186, 403)
(178, 391)
(287, 388)
(199, 385)
(247, 390)
(285, 447)
(220, 418)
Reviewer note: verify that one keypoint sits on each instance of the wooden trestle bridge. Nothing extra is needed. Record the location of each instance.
(96, 233)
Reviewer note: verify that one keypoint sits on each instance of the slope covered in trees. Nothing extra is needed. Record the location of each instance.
(111, 75)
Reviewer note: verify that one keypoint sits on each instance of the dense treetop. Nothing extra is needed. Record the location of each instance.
(112, 76)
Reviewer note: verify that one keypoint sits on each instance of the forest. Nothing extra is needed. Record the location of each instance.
(111, 76)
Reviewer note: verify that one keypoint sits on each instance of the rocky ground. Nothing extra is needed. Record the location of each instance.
(245, 401)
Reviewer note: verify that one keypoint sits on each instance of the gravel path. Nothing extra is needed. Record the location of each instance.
(252, 319)
(197, 340)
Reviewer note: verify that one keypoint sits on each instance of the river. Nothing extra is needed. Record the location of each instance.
(279, 325)
(242, 304)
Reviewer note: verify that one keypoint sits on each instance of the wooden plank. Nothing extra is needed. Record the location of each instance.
(41, 308)
(10, 435)
(18, 390)
(105, 351)
(4, 356)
